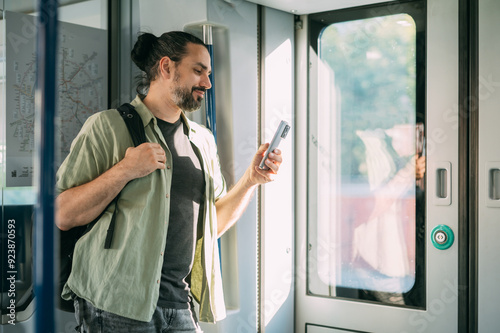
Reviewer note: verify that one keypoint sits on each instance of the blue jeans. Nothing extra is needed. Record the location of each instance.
(93, 320)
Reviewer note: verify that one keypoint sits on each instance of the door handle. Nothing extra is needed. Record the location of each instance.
(493, 184)
(442, 195)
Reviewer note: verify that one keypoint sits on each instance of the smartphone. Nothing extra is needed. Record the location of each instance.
(280, 133)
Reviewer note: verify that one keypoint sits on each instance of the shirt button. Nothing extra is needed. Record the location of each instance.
(161, 254)
(168, 195)
(168, 166)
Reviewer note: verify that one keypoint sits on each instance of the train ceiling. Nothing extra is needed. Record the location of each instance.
(300, 7)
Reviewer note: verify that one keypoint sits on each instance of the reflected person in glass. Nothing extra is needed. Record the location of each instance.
(387, 246)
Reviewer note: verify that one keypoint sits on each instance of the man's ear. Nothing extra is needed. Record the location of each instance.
(165, 67)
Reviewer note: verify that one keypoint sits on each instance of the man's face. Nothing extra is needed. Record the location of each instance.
(191, 78)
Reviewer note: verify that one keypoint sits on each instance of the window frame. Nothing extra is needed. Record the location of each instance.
(317, 22)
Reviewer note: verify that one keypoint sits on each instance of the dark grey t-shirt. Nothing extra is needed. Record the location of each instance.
(186, 194)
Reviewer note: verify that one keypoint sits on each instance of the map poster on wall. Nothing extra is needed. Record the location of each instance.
(81, 88)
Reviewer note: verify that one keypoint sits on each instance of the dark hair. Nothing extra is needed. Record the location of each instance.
(149, 49)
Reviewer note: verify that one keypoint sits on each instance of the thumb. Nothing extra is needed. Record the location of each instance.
(262, 149)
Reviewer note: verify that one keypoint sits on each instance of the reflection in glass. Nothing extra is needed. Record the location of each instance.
(366, 164)
(82, 91)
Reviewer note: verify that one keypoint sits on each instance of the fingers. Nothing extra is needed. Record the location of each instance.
(420, 162)
(276, 156)
(274, 160)
(161, 156)
(266, 175)
(145, 158)
(156, 152)
(420, 168)
(272, 165)
(156, 147)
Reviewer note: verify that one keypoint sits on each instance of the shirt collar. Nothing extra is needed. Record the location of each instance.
(189, 125)
(142, 110)
(147, 116)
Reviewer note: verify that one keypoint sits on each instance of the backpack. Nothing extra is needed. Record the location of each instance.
(68, 239)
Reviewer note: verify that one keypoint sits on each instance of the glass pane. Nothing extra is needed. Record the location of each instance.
(366, 163)
(82, 90)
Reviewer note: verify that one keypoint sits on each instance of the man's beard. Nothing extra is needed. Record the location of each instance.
(183, 97)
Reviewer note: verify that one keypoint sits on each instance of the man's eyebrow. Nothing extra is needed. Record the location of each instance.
(202, 65)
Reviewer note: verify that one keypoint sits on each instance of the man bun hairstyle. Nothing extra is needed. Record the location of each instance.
(142, 49)
(149, 49)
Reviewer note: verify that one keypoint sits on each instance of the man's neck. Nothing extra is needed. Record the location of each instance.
(161, 106)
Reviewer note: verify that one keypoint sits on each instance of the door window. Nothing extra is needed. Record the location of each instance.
(366, 214)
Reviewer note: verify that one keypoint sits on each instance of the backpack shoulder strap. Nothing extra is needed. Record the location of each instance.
(136, 129)
(134, 123)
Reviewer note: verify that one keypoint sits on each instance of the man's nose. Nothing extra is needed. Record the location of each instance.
(205, 82)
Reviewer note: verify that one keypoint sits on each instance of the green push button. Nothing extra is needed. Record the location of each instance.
(442, 237)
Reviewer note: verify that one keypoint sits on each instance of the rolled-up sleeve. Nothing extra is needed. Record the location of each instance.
(220, 188)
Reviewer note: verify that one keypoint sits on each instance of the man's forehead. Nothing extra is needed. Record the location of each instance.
(198, 54)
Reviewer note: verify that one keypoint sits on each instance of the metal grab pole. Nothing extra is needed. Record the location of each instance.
(45, 101)
(210, 94)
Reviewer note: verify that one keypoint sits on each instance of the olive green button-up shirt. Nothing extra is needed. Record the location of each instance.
(125, 279)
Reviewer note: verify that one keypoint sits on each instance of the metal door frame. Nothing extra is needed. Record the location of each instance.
(448, 83)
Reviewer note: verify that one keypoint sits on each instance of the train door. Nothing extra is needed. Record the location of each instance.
(377, 214)
(488, 98)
